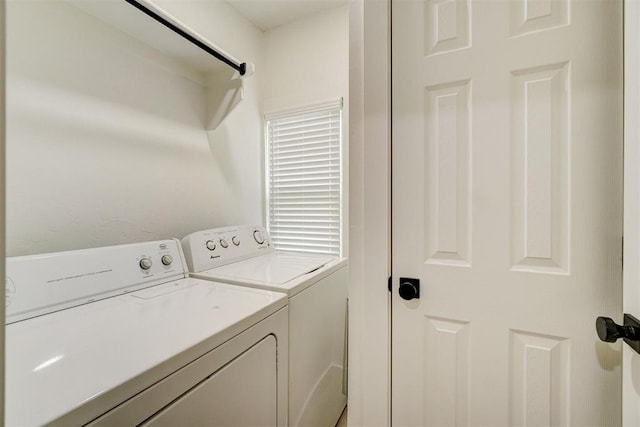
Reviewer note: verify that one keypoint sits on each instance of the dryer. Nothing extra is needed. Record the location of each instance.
(317, 289)
(121, 336)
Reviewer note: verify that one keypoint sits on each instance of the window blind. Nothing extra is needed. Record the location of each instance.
(304, 179)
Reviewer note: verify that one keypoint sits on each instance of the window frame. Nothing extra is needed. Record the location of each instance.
(336, 103)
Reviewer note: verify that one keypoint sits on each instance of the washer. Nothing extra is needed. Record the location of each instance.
(317, 289)
(121, 336)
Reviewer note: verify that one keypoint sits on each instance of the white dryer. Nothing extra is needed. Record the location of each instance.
(121, 336)
(317, 290)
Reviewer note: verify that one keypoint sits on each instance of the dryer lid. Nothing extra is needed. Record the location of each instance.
(277, 267)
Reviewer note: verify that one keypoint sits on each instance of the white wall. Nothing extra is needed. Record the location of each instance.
(307, 61)
(106, 142)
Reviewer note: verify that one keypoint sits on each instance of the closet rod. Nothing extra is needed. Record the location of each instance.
(241, 68)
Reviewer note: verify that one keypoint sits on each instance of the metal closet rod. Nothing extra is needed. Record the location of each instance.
(241, 68)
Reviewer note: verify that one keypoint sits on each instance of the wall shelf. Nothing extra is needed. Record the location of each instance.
(219, 73)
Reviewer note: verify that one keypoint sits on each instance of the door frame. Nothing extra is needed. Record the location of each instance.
(631, 250)
(369, 397)
(2, 192)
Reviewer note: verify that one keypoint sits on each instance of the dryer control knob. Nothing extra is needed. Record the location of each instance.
(145, 263)
(258, 237)
(211, 245)
(166, 259)
(235, 240)
(224, 243)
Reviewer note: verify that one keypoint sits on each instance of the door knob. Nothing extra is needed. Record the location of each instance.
(409, 288)
(609, 331)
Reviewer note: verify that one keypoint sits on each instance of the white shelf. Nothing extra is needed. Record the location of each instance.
(222, 84)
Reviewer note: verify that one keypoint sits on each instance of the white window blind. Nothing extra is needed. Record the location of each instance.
(304, 179)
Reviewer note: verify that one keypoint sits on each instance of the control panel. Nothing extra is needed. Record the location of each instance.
(40, 284)
(212, 248)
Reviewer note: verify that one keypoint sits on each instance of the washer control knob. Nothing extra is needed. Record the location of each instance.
(224, 243)
(211, 245)
(145, 263)
(166, 259)
(258, 237)
(235, 240)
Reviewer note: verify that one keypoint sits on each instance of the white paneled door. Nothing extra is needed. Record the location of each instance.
(507, 206)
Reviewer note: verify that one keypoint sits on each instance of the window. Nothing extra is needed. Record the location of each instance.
(304, 179)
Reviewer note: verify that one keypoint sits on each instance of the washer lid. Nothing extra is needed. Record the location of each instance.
(275, 268)
(87, 359)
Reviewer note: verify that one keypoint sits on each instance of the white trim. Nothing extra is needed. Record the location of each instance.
(369, 213)
(2, 194)
(631, 271)
(306, 108)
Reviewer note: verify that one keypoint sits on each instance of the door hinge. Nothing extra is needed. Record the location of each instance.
(622, 253)
(389, 284)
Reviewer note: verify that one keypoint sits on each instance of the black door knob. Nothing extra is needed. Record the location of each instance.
(609, 331)
(409, 288)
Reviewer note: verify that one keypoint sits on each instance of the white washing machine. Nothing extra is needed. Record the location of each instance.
(317, 290)
(122, 336)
